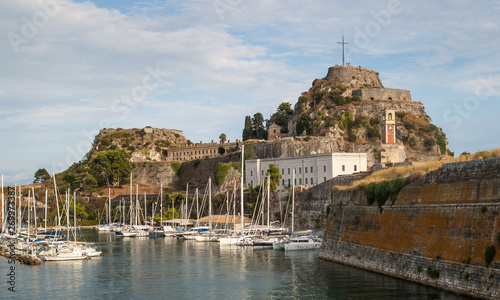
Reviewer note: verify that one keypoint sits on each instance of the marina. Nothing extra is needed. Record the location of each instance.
(130, 268)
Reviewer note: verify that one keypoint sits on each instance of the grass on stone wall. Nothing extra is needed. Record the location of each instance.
(416, 170)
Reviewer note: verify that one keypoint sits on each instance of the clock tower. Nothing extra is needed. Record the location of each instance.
(388, 127)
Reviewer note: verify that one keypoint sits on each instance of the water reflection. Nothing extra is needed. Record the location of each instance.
(132, 268)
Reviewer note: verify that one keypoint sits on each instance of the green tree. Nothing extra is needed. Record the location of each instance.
(304, 123)
(41, 175)
(110, 166)
(258, 130)
(222, 138)
(247, 131)
(282, 116)
(275, 174)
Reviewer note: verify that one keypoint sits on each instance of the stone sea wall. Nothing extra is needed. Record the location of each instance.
(436, 233)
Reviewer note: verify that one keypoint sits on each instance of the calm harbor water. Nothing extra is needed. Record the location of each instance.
(166, 268)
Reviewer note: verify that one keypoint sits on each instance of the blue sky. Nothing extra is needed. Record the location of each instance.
(69, 68)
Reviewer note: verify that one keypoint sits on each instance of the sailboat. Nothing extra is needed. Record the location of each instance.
(61, 250)
(208, 236)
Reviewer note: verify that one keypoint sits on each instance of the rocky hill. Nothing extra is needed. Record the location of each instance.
(348, 105)
(143, 144)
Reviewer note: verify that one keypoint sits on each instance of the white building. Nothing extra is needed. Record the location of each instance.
(309, 170)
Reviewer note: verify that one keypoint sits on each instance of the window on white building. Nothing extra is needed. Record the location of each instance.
(289, 184)
(288, 170)
(300, 181)
(324, 168)
(262, 172)
(295, 181)
(282, 181)
(343, 168)
(251, 173)
(312, 181)
(324, 179)
(355, 168)
(306, 180)
(305, 169)
(300, 170)
(311, 169)
(282, 171)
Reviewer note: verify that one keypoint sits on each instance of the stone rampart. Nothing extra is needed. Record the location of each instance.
(443, 222)
(382, 94)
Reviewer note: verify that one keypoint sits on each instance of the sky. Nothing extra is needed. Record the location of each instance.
(69, 68)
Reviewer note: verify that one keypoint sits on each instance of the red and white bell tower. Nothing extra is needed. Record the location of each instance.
(388, 127)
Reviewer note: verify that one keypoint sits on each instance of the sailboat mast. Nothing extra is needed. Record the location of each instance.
(3, 209)
(57, 201)
(293, 199)
(29, 208)
(268, 200)
(131, 204)
(74, 213)
(241, 188)
(197, 208)
(67, 213)
(34, 207)
(210, 204)
(186, 208)
(161, 205)
(136, 203)
(108, 216)
(45, 226)
(145, 208)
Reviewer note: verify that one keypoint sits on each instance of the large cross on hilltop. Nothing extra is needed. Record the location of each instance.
(343, 43)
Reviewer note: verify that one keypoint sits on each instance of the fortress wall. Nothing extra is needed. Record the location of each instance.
(382, 94)
(440, 222)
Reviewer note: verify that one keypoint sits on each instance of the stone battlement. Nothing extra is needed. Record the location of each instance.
(382, 94)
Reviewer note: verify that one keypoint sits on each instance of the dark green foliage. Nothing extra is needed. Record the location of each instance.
(318, 96)
(408, 125)
(373, 132)
(222, 171)
(352, 137)
(303, 100)
(282, 116)
(360, 121)
(498, 238)
(489, 255)
(441, 141)
(110, 166)
(419, 269)
(429, 143)
(247, 130)
(41, 175)
(432, 273)
(356, 99)
(484, 209)
(258, 130)
(347, 120)
(249, 152)
(236, 166)
(384, 190)
(196, 162)
(304, 123)
(275, 174)
(307, 138)
(400, 114)
(374, 121)
(221, 150)
(176, 167)
(131, 148)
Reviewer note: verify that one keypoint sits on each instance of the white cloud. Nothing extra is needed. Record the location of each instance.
(72, 75)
